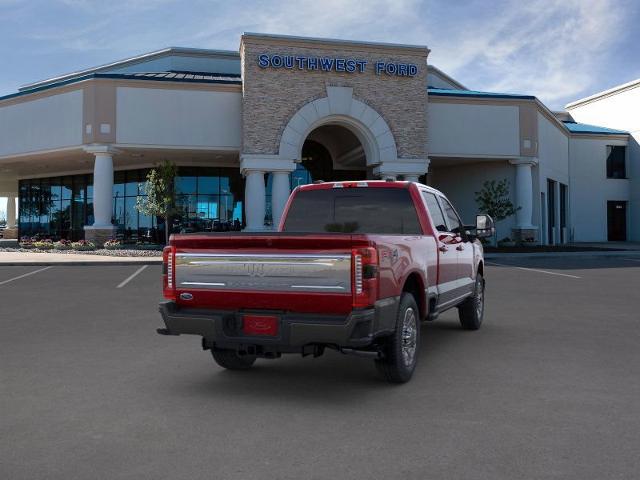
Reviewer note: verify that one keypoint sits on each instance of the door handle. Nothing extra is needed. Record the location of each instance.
(443, 248)
(460, 248)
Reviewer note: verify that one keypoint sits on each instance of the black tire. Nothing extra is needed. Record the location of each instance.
(397, 364)
(230, 359)
(471, 311)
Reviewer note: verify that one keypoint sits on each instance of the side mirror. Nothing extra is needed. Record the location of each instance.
(484, 226)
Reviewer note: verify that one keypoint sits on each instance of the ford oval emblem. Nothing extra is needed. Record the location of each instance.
(186, 296)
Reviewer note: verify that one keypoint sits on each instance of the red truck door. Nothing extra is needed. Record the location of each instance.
(463, 248)
(447, 253)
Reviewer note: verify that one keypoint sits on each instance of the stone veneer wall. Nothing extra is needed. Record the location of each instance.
(271, 96)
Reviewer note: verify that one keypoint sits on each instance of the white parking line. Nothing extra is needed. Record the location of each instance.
(534, 270)
(25, 275)
(132, 276)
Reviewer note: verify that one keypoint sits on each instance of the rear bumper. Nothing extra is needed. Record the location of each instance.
(224, 328)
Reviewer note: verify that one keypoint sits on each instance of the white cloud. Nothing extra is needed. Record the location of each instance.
(552, 49)
(555, 49)
(349, 19)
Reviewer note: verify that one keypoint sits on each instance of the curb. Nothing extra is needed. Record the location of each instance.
(76, 263)
(598, 254)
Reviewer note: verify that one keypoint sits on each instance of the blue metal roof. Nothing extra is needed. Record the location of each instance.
(575, 127)
(445, 92)
(188, 77)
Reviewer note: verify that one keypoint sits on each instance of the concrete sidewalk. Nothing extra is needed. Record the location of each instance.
(590, 254)
(35, 259)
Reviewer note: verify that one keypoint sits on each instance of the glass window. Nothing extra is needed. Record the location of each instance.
(131, 218)
(90, 186)
(208, 185)
(354, 210)
(225, 185)
(45, 204)
(453, 221)
(67, 188)
(119, 180)
(186, 185)
(300, 176)
(616, 161)
(207, 206)
(65, 225)
(208, 199)
(79, 187)
(119, 213)
(435, 211)
(131, 184)
(226, 208)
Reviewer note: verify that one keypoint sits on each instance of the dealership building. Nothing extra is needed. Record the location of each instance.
(246, 127)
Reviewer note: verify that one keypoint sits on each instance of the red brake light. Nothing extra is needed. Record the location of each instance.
(168, 273)
(365, 276)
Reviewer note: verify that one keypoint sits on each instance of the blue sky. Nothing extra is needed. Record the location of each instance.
(558, 50)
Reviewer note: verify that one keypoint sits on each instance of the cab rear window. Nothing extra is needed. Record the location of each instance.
(353, 210)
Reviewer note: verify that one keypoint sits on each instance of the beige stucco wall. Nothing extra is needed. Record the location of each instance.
(272, 96)
(50, 122)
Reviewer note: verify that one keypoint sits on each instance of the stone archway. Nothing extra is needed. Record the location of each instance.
(340, 108)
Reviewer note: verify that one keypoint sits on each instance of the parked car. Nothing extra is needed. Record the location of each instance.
(354, 266)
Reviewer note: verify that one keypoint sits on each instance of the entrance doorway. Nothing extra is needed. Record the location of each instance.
(330, 153)
(617, 221)
(334, 153)
(551, 212)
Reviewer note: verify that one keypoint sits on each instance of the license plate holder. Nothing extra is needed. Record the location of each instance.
(255, 325)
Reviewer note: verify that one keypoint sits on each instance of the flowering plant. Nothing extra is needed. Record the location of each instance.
(112, 244)
(83, 245)
(43, 244)
(62, 245)
(26, 242)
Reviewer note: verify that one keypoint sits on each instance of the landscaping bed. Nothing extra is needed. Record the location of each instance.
(112, 248)
(123, 252)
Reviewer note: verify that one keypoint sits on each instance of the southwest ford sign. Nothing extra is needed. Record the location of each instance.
(334, 64)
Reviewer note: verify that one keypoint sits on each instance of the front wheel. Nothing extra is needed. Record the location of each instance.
(400, 350)
(230, 359)
(471, 311)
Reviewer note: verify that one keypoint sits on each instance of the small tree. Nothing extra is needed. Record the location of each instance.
(493, 199)
(160, 193)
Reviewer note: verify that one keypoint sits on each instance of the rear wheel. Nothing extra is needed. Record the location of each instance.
(401, 349)
(471, 311)
(230, 359)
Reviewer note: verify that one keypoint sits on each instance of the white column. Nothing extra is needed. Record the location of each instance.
(279, 196)
(254, 199)
(524, 192)
(102, 190)
(11, 212)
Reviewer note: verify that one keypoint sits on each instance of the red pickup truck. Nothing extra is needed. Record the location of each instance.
(354, 266)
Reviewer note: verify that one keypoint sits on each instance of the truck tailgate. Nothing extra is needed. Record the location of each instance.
(278, 272)
(275, 271)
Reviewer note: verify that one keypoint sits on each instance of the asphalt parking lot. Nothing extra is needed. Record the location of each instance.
(548, 388)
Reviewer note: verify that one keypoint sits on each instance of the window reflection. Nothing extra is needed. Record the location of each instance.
(208, 199)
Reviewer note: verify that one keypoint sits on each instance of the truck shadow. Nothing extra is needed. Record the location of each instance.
(331, 379)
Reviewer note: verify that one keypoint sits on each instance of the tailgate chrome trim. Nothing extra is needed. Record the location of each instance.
(264, 271)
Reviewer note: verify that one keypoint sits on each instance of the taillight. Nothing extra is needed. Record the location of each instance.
(365, 276)
(168, 277)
